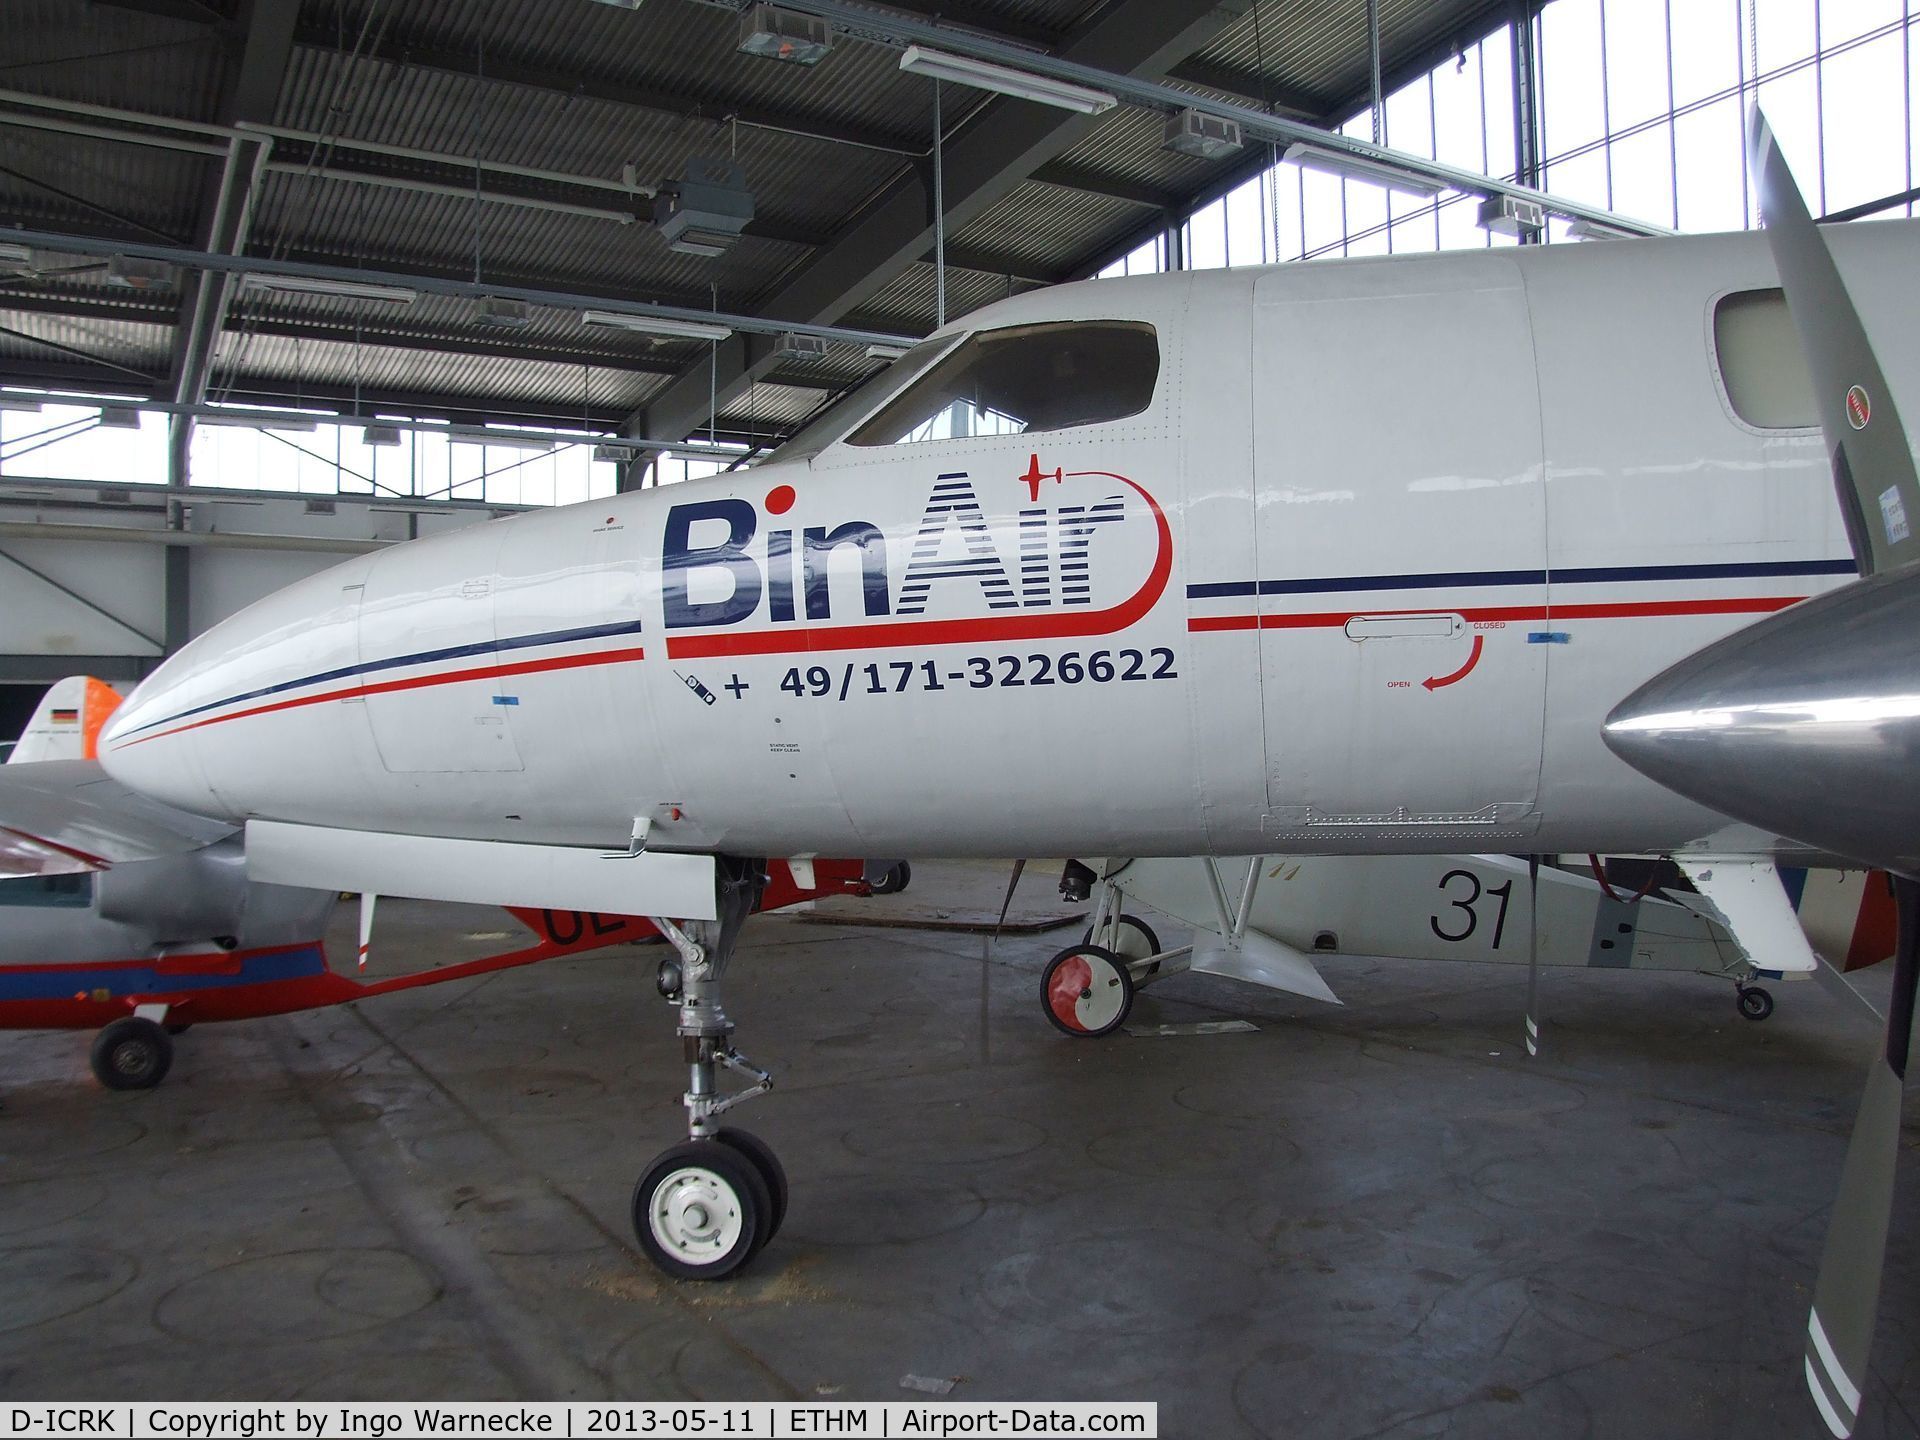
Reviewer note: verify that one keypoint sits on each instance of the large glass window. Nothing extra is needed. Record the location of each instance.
(1024, 379)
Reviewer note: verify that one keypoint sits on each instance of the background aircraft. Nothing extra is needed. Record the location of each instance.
(170, 932)
(1630, 916)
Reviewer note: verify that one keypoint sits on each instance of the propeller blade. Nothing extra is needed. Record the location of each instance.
(1846, 1298)
(1872, 466)
(1013, 883)
(1533, 954)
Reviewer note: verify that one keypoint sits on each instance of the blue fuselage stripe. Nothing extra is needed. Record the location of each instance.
(1469, 579)
(146, 978)
(423, 657)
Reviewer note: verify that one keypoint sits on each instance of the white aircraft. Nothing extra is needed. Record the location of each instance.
(1350, 557)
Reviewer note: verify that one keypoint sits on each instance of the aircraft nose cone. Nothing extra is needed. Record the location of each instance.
(1806, 724)
(144, 747)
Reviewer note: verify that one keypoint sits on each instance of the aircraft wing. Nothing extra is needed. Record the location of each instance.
(62, 817)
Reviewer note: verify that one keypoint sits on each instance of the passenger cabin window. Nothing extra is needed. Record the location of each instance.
(66, 891)
(1758, 352)
(1023, 380)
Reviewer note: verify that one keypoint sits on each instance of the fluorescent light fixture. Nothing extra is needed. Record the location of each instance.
(1597, 230)
(501, 439)
(650, 325)
(119, 417)
(347, 289)
(242, 420)
(21, 403)
(1022, 84)
(885, 352)
(380, 435)
(15, 258)
(623, 4)
(1356, 167)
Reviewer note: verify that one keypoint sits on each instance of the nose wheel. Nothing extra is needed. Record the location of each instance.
(708, 1205)
(131, 1054)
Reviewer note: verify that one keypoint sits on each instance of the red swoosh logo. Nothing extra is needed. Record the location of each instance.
(1052, 625)
(1435, 682)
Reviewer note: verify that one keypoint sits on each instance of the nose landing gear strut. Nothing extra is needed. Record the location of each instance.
(708, 1205)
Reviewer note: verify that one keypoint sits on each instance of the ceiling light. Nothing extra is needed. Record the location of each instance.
(1357, 167)
(650, 325)
(792, 345)
(885, 352)
(1205, 137)
(1598, 230)
(267, 420)
(500, 439)
(704, 211)
(380, 435)
(620, 454)
(503, 314)
(777, 34)
(125, 272)
(1022, 84)
(15, 258)
(347, 289)
(119, 417)
(1512, 215)
(21, 403)
(623, 4)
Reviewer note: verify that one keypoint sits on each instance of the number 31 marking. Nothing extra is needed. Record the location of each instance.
(1504, 893)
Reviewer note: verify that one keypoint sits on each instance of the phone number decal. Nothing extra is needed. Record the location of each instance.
(979, 672)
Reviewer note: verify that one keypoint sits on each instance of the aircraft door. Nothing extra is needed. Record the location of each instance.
(1401, 531)
(431, 706)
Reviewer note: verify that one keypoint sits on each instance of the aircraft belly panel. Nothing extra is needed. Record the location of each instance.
(1401, 523)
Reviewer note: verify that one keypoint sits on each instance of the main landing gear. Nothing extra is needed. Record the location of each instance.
(708, 1205)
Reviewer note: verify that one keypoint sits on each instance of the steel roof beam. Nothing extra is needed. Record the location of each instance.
(1063, 176)
(1243, 85)
(78, 244)
(1148, 92)
(259, 60)
(504, 69)
(995, 153)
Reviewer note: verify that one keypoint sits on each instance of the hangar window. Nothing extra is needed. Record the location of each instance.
(1757, 351)
(1025, 379)
(73, 891)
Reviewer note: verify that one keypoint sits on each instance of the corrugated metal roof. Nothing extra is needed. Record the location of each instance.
(582, 90)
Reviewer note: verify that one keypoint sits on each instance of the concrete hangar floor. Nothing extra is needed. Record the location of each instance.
(1376, 1220)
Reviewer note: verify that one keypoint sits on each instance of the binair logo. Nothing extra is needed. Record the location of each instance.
(977, 566)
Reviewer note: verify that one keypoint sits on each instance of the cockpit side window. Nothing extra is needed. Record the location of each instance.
(62, 891)
(847, 412)
(1025, 379)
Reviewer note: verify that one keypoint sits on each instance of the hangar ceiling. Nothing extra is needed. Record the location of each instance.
(559, 100)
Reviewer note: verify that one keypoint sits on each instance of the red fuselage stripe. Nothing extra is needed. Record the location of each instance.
(1501, 614)
(415, 682)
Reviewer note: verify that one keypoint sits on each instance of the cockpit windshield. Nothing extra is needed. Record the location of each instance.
(1024, 379)
(845, 414)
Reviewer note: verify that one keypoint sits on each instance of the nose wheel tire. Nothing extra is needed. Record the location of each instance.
(701, 1210)
(772, 1174)
(1086, 991)
(1755, 1003)
(131, 1054)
